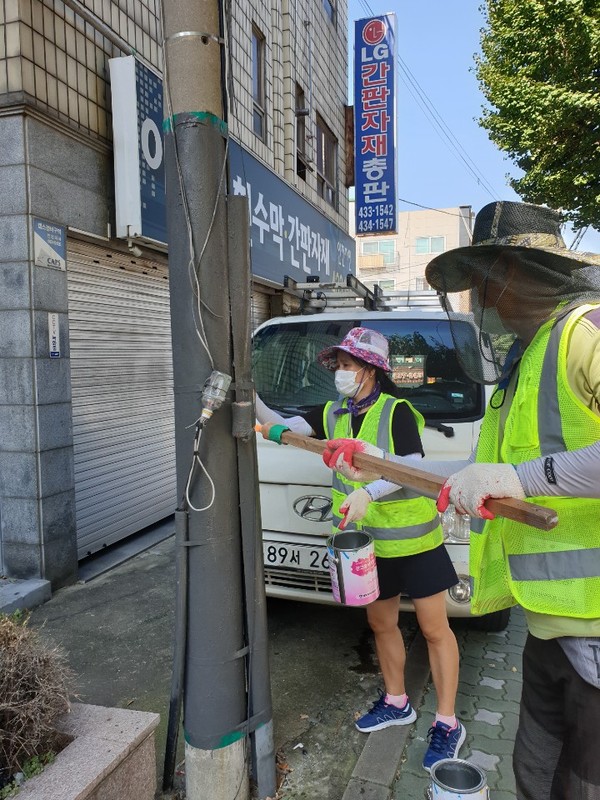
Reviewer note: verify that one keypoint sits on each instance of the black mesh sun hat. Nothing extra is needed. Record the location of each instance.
(517, 274)
(520, 228)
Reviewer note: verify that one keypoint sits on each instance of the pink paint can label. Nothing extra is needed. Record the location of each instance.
(353, 568)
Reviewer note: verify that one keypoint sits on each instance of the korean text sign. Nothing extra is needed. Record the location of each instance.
(375, 124)
(289, 236)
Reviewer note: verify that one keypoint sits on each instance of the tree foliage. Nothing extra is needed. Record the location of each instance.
(540, 71)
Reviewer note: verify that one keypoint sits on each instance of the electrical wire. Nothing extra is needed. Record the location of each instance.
(197, 461)
(429, 208)
(193, 265)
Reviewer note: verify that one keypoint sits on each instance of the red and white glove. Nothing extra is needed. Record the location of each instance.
(469, 488)
(354, 507)
(340, 452)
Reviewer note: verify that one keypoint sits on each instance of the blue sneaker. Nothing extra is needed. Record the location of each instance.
(383, 714)
(444, 742)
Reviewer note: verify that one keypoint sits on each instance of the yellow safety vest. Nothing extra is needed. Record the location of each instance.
(549, 572)
(402, 523)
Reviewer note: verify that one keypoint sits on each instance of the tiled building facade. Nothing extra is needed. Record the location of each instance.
(74, 422)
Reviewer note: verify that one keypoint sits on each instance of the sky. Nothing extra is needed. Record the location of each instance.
(436, 42)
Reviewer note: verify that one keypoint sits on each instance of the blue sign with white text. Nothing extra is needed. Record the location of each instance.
(288, 235)
(375, 124)
(149, 92)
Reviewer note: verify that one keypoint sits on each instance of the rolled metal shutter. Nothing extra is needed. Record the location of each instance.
(261, 308)
(122, 393)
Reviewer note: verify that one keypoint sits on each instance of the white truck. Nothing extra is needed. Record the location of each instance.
(295, 486)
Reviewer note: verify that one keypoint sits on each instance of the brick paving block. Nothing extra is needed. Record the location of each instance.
(470, 675)
(493, 718)
(466, 705)
(478, 729)
(493, 747)
(492, 683)
(495, 655)
(500, 705)
(411, 786)
(505, 777)
(513, 691)
(510, 723)
(486, 761)
(416, 744)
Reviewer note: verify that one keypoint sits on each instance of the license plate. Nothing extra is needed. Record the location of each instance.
(309, 557)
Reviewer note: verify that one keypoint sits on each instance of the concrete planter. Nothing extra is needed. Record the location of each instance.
(111, 757)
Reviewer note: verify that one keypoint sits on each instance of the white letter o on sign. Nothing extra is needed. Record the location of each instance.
(150, 128)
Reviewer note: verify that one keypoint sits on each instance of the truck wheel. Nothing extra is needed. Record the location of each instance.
(492, 623)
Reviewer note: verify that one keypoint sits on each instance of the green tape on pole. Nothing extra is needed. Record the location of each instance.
(205, 117)
(225, 741)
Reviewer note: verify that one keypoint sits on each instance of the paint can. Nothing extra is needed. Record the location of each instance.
(453, 778)
(353, 568)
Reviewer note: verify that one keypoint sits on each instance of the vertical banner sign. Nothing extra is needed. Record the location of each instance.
(137, 107)
(375, 124)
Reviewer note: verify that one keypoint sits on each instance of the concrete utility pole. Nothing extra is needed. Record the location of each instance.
(226, 630)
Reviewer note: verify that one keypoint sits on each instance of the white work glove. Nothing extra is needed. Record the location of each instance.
(339, 453)
(266, 416)
(354, 507)
(470, 488)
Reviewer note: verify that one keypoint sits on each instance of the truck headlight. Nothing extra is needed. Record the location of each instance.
(456, 527)
(461, 593)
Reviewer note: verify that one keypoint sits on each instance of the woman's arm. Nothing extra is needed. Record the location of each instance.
(266, 416)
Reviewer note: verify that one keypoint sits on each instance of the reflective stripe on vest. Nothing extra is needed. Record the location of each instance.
(549, 420)
(407, 531)
(414, 524)
(557, 572)
(562, 566)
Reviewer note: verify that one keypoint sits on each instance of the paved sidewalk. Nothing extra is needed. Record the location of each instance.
(488, 703)
(117, 632)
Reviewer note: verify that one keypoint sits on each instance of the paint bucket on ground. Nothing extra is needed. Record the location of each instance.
(454, 778)
(353, 568)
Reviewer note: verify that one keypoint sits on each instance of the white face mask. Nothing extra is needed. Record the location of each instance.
(345, 382)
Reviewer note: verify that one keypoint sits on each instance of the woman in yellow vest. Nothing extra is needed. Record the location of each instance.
(537, 305)
(411, 557)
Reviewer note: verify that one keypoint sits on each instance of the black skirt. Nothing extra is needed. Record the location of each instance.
(421, 575)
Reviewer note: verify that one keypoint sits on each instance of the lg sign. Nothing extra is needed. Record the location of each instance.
(373, 34)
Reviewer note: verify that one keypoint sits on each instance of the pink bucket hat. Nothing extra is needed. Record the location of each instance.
(364, 343)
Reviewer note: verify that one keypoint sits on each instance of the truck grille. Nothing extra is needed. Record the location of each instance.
(299, 579)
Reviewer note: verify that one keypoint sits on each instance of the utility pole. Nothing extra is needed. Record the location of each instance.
(225, 642)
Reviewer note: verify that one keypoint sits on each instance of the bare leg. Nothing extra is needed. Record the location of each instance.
(442, 648)
(382, 616)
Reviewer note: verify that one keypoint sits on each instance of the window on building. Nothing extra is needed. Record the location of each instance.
(430, 244)
(301, 117)
(421, 284)
(326, 163)
(329, 6)
(384, 247)
(258, 83)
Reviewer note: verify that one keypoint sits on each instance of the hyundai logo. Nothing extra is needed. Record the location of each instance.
(314, 508)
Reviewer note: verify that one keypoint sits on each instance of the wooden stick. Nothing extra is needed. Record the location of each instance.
(429, 484)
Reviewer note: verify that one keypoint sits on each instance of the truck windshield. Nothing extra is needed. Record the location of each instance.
(422, 356)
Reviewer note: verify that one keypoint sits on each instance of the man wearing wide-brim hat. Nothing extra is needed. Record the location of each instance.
(537, 306)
